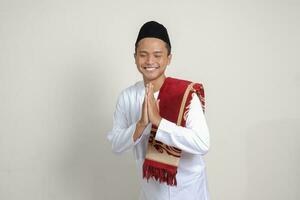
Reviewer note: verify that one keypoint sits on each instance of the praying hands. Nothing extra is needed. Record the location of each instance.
(152, 108)
(150, 111)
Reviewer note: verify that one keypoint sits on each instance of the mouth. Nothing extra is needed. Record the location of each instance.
(150, 68)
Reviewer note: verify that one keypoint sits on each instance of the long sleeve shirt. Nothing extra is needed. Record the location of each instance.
(193, 140)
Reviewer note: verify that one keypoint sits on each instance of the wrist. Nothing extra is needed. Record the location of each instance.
(157, 122)
(141, 124)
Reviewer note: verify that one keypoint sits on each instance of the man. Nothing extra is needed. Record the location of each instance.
(161, 119)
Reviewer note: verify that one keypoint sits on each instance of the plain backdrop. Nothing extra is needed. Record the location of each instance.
(63, 64)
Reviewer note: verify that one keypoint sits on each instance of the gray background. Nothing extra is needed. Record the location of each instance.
(63, 63)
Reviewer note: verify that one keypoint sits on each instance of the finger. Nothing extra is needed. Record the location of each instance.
(152, 93)
(151, 88)
(157, 104)
(151, 100)
(150, 103)
(148, 100)
(146, 91)
(146, 103)
(147, 88)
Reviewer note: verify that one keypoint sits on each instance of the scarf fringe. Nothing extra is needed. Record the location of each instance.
(160, 172)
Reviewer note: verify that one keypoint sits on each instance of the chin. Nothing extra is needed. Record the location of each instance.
(151, 78)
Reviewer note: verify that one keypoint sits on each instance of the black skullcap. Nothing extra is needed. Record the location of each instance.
(155, 30)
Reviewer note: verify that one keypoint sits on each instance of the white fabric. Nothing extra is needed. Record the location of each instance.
(193, 140)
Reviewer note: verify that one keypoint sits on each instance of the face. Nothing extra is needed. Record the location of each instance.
(151, 59)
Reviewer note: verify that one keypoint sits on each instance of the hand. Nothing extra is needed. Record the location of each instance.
(153, 106)
(145, 119)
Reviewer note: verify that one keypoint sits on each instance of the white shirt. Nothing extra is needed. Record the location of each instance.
(193, 140)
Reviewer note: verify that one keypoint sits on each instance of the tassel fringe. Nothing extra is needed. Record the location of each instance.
(160, 172)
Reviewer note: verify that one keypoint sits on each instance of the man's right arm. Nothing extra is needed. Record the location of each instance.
(123, 136)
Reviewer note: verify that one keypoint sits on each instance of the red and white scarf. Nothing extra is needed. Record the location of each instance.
(161, 160)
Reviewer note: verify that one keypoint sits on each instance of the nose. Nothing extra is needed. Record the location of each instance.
(150, 59)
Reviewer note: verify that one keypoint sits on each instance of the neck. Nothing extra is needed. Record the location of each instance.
(157, 83)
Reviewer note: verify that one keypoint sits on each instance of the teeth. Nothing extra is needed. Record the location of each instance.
(150, 68)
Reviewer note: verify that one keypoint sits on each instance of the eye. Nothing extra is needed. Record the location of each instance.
(142, 55)
(157, 56)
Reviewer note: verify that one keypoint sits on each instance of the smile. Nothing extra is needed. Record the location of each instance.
(150, 68)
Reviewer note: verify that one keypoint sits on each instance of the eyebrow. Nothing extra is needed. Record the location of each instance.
(155, 52)
(143, 51)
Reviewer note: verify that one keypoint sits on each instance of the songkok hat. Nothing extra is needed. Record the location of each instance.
(153, 29)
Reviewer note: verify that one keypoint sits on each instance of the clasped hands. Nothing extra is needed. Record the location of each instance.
(150, 109)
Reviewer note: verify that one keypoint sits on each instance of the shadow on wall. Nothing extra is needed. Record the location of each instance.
(273, 160)
(87, 166)
(85, 110)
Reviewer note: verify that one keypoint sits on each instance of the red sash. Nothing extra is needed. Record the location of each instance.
(161, 160)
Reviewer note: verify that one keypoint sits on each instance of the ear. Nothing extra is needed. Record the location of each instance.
(134, 55)
(169, 59)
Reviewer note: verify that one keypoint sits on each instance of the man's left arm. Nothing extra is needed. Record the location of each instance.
(194, 138)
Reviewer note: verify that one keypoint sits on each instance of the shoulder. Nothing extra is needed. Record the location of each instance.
(193, 88)
(182, 84)
(183, 81)
(131, 91)
(177, 80)
(134, 88)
